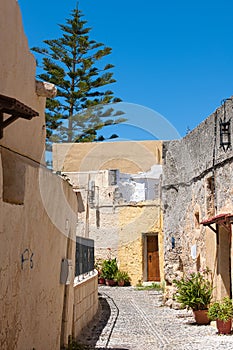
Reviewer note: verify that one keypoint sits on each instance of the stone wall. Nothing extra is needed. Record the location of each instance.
(85, 303)
(118, 227)
(118, 224)
(197, 185)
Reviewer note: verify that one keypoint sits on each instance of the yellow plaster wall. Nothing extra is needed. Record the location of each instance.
(217, 259)
(211, 259)
(32, 297)
(131, 260)
(134, 222)
(128, 157)
(17, 80)
(38, 211)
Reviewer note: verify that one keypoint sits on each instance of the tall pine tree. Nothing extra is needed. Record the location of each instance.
(71, 62)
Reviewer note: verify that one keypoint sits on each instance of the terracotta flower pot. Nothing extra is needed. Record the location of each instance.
(201, 317)
(101, 280)
(224, 327)
(121, 283)
(110, 282)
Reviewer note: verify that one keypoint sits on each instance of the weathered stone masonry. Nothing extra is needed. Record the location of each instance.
(197, 185)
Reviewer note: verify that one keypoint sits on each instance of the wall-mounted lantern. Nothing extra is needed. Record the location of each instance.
(225, 130)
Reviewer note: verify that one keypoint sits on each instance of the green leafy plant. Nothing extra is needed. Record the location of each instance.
(109, 269)
(73, 63)
(122, 276)
(221, 310)
(194, 291)
(152, 286)
(139, 284)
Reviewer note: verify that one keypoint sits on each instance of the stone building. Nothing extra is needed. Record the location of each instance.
(38, 209)
(120, 186)
(197, 197)
(197, 200)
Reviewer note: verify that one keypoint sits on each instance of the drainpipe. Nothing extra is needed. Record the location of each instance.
(68, 298)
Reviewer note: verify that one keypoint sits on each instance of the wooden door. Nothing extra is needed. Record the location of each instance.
(153, 273)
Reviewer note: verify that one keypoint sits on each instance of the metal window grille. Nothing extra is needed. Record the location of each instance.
(84, 262)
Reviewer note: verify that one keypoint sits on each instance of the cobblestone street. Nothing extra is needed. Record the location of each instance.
(136, 320)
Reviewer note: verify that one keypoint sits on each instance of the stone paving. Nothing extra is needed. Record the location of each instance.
(136, 320)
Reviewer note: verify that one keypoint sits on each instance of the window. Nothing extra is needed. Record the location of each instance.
(113, 176)
(84, 256)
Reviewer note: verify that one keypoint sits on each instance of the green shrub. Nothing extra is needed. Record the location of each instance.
(109, 269)
(153, 286)
(122, 276)
(221, 310)
(194, 291)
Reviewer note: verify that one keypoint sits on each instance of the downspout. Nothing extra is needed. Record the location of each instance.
(68, 288)
(67, 299)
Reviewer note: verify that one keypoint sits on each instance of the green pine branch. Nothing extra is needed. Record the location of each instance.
(73, 63)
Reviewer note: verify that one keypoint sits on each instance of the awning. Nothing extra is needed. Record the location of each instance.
(230, 218)
(15, 109)
(220, 219)
(215, 219)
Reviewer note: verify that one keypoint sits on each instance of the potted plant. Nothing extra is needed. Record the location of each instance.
(98, 267)
(222, 313)
(122, 278)
(194, 291)
(109, 270)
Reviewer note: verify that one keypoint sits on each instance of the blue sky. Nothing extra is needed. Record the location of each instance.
(174, 57)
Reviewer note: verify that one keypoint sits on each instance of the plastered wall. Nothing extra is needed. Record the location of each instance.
(33, 243)
(135, 221)
(85, 303)
(37, 212)
(17, 80)
(116, 226)
(129, 156)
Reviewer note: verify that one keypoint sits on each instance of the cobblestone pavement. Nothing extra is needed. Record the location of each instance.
(136, 320)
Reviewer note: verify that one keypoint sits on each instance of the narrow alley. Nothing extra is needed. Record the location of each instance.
(131, 319)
